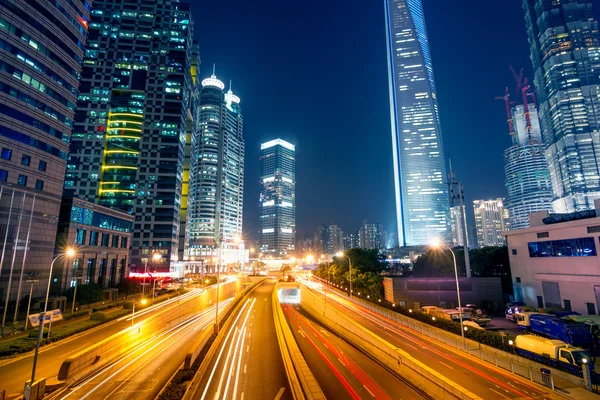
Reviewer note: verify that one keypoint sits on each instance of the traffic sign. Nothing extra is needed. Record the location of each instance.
(53, 315)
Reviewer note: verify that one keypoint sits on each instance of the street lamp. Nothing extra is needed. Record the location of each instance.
(342, 254)
(156, 257)
(436, 244)
(142, 302)
(69, 253)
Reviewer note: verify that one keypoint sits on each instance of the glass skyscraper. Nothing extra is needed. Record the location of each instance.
(42, 45)
(565, 51)
(278, 198)
(422, 201)
(216, 191)
(133, 110)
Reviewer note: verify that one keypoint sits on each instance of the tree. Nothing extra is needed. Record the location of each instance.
(438, 262)
(285, 268)
(129, 286)
(87, 294)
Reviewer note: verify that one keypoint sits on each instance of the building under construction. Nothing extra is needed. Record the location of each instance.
(526, 169)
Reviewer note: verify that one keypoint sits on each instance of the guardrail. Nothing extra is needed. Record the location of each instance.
(302, 381)
(397, 360)
(524, 367)
(233, 308)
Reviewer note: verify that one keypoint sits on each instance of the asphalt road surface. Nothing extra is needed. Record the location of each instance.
(247, 364)
(343, 372)
(481, 378)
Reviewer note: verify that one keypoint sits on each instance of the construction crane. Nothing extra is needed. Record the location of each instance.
(506, 98)
(518, 78)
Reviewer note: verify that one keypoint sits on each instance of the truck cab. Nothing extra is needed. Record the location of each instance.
(574, 356)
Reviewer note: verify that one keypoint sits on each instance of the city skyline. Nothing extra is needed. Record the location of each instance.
(362, 162)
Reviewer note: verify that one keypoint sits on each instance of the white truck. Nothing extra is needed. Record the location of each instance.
(552, 352)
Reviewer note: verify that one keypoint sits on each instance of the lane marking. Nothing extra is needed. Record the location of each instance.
(245, 365)
(371, 393)
(499, 393)
(323, 331)
(280, 393)
(443, 363)
(302, 333)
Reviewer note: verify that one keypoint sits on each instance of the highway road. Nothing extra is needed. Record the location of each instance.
(248, 364)
(15, 371)
(481, 378)
(143, 372)
(343, 372)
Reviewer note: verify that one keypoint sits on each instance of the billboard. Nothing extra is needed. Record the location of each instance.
(52, 315)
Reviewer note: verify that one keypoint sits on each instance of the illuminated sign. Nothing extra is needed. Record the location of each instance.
(288, 180)
(268, 230)
(286, 230)
(213, 81)
(269, 203)
(269, 179)
(276, 142)
(152, 275)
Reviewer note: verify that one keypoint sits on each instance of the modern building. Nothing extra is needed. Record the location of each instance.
(330, 238)
(527, 178)
(133, 109)
(565, 47)
(42, 44)
(458, 227)
(278, 198)
(422, 201)
(216, 191)
(555, 262)
(371, 236)
(351, 240)
(491, 219)
(100, 237)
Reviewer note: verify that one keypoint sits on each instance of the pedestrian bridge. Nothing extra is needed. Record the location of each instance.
(288, 292)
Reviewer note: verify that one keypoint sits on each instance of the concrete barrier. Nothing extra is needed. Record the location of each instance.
(302, 381)
(93, 358)
(397, 360)
(233, 308)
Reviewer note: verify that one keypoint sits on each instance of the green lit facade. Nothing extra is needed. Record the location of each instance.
(129, 135)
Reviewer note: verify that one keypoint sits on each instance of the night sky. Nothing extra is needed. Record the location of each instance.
(315, 74)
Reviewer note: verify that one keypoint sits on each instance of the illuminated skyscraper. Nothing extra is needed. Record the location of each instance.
(491, 219)
(42, 44)
(422, 202)
(129, 137)
(278, 198)
(565, 50)
(458, 228)
(217, 171)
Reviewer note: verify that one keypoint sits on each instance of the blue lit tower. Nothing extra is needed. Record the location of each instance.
(565, 52)
(278, 198)
(422, 201)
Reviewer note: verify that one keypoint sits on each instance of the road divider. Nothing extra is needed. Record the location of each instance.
(302, 381)
(395, 359)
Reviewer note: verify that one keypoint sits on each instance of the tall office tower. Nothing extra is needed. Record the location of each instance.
(41, 48)
(351, 240)
(527, 178)
(422, 202)
(330, 238)
(278, 198)
(458, 228)
(371, 236)
(217, 172)
(491, 219)
(319, 239)
(129, 136)
(565, 49)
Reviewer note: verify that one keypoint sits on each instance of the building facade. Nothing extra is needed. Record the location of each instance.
(565, 48)
(555, 262)
(351, 240)
(216, 191)
(491, 219)
(100, 237)
(527, 178)
(422, 201)
(278, 198)
(42, 44)
(371, 236)
(330, 238)
(458, 227)
(129, 135)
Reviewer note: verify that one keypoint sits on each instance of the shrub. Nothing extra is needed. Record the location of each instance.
(98, 316)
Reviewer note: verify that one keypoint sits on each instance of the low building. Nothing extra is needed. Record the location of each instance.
(555, 262)
(101, 238)
(485, 293)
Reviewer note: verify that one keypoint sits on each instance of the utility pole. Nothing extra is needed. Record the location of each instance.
(460, 195)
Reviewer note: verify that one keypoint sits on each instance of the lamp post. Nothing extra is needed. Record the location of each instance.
(156, 257)
(32, 281)
(68, 253)
(342, 254)
(437, 244)
(142, 302)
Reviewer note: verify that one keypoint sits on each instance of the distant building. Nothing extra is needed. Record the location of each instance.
(555, 262)
(491, 219)
(100, 236)
(422, 201)
(391, 240)
(458, 228)
(307, 245)
(278, 198)
(351, 240)
(335, 239)
(371, 236)
(564, 40)
(526, 169)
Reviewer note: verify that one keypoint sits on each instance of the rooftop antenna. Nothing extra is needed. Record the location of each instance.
(230, 85)
(214, 66)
